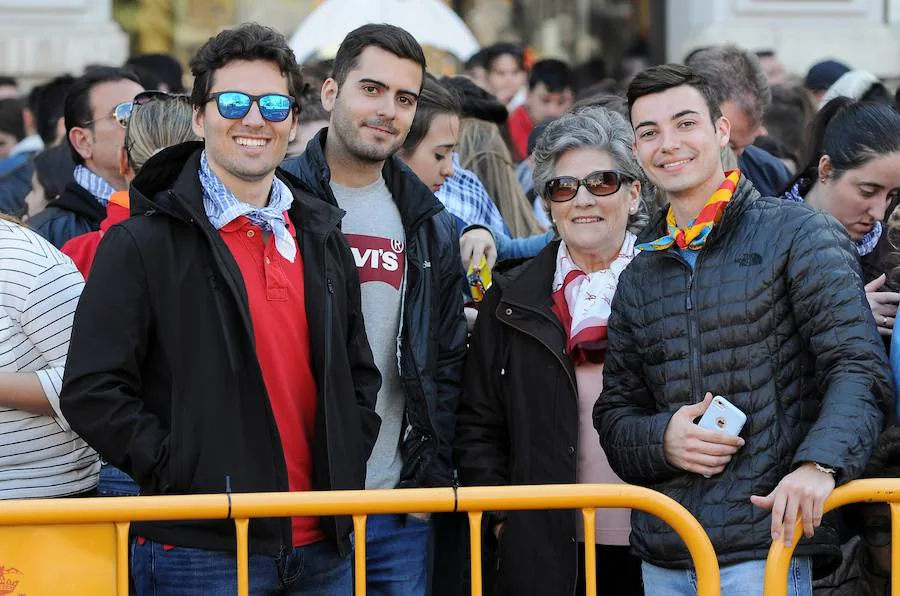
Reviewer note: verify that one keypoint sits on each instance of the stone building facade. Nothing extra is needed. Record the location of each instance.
(41, 38)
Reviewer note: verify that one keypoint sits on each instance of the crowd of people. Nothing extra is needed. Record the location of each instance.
(358, 275)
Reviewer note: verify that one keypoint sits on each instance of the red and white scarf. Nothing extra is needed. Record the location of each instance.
(582, 301)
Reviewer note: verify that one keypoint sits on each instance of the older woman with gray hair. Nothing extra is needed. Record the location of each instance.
(535, 363)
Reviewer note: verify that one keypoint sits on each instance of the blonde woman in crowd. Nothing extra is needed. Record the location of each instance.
(483, 151)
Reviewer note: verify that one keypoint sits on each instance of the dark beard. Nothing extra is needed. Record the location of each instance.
(349, 134)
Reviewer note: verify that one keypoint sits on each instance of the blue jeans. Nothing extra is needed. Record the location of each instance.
(397, 555)
(740, 579)
(312, 570)
(116, 483)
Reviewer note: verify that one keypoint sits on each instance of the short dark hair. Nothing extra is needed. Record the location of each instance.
(250, 41)
(657, 79)
(765, 53)
(12, 122)
(311, 108)
(495, 51)
(6, 81)
(787, 117)
(46, 103)
(736, 75)
(434, 100)
(474, 101)
(389, 38)
(77, 109)
(162, 67)
(476, 60)
(554, 74)
(53, 167)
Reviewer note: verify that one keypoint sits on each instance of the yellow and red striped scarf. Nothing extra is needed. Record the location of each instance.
(694, 236)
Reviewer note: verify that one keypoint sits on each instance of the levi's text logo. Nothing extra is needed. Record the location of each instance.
(377, 259)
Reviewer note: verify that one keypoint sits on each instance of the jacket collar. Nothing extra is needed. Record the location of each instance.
(78, 200)
(169, 183)
(414, 200)
(743, 197)
(530, 283)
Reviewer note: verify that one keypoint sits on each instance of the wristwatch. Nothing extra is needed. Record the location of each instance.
(825, 469)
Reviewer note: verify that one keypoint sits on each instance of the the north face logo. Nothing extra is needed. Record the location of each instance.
(378, 259)
(749, 259)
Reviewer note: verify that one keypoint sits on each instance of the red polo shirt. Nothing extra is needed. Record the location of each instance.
(278, 311)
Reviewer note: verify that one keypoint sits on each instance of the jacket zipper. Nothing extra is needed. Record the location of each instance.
(574, 386)
(693, 332)
(406, 348)
(329, 297)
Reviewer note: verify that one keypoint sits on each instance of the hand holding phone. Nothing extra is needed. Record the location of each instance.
(694, 449)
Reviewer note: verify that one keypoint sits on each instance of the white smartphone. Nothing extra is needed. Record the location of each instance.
(723, 416)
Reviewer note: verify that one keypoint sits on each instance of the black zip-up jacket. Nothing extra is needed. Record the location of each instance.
(774, 318)
(162, 377)
(432, 343)
(74, 213)
(518, 424)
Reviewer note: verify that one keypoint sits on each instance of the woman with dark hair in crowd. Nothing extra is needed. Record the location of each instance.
(852, 173)
(434, 133)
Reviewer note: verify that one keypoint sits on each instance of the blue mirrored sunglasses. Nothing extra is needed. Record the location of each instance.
(234, 105)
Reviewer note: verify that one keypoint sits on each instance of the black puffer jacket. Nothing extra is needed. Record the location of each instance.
(432, 343)
(775, 319)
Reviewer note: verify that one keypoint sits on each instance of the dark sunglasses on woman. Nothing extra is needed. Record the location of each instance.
(122, 112)
(600, 184)
(234, 105)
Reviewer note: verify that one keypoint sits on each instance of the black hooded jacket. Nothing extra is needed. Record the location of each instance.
(162, 377)
(432, 343)
(774, 318)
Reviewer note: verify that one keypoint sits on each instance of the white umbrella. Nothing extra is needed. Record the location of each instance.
(431, 22)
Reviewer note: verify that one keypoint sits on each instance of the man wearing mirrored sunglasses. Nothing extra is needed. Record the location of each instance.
(95, 136)
(406, 250)
(220, 345)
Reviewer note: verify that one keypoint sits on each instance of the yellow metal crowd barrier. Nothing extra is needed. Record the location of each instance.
(80, 546)
(881, 490)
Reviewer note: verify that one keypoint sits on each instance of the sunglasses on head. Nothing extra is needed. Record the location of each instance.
(234, 105)
(122, 112)
(600, 184)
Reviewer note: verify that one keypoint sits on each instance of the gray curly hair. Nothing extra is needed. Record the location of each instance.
(594, 128)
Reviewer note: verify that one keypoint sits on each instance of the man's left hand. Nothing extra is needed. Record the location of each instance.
(802, 492)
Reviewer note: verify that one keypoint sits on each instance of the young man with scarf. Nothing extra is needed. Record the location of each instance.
(219, 345)
(752, 298)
